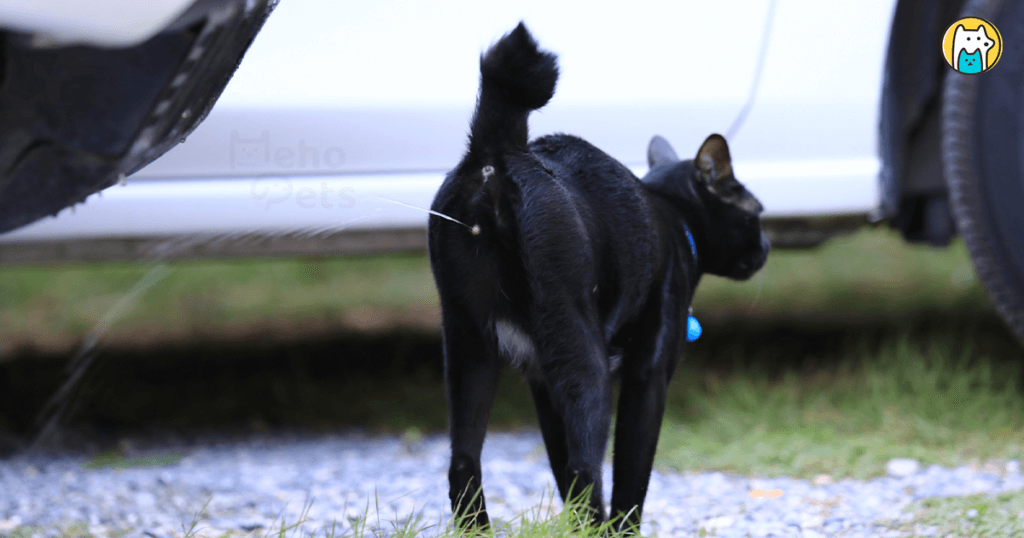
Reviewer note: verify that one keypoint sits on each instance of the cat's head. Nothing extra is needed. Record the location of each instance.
(710, 199)
(971, 40)
(970, 62)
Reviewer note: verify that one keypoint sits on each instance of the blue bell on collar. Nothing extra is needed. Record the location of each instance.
(693, 329)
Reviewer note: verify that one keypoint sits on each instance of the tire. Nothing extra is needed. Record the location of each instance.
(983, 161)
(74, 120)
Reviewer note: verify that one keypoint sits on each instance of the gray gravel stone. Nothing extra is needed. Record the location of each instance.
(902, 467)
(251, 484)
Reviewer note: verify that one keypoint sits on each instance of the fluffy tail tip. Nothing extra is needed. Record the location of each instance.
(521, 73)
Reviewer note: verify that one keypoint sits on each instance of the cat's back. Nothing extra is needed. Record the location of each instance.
(607, 185)
(577, 158)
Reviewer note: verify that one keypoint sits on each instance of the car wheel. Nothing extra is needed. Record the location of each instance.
(983, 160)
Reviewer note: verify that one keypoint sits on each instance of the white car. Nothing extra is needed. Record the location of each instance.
(338, 126)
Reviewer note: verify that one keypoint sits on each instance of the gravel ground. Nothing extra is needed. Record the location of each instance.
(250, 483)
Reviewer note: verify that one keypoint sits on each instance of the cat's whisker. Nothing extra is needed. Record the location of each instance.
(474, 229)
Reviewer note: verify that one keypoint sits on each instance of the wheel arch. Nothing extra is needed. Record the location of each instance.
(913, 188)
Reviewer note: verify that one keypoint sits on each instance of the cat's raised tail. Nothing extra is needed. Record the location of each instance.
(516, 77)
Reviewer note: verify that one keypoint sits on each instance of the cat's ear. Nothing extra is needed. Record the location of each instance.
(659, 151)
(959, 30)
(982, 30)
(713, 159)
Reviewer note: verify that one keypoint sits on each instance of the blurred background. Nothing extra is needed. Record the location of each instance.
(831, 359)
(139, 315)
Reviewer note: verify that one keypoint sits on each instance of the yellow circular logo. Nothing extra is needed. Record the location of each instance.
(972, 45)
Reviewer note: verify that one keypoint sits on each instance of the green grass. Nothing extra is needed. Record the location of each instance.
(871, 275)
(540, 522)
(940, 402)
(53, 307)
(974, 515)
(982, 516)
(115, 460)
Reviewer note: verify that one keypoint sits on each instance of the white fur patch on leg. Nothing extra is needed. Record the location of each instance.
(514, 343)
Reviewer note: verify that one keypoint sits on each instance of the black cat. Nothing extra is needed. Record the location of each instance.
(566, 265)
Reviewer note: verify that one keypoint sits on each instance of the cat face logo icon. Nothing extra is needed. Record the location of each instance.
(972, 45)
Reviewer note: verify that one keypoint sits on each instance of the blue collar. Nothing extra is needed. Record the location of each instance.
(693, 328)
(689, 237)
